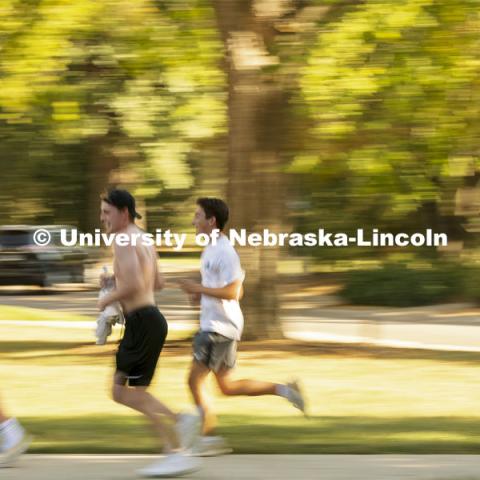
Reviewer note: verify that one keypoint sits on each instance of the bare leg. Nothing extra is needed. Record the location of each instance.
(196, 381)
(253, 388)
(140, 400)
(3, 417)
(160, 408)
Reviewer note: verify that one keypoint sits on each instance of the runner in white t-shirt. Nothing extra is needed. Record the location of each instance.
(221, 325)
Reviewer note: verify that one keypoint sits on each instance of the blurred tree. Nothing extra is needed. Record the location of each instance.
(89, 88)
(341, 114)
(391, 90)
(256, 112)
(262, 41)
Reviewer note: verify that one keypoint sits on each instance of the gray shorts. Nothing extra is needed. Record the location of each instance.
(214, 350)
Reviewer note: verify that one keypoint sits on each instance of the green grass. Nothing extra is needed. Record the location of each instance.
(288, 434)
(362, 400)
(8, 312)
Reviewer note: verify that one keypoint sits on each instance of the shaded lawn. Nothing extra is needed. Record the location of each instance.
(362, 399)
(8, 312)
(254, 434)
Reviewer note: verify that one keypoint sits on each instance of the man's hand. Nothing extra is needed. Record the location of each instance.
(103, 303)
(190, 287)
(105, 279)
(194, 298)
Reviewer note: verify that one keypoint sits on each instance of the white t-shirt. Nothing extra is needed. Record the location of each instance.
(220, 266)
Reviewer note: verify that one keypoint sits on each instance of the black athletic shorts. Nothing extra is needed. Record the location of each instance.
(145, 333)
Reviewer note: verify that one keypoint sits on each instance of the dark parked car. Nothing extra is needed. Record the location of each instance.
(23, 262)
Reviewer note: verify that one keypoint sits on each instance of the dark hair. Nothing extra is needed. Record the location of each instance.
(214, 207)
(121, 199)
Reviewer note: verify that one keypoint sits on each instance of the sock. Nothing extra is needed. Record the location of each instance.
(201, 412)
(282, 391)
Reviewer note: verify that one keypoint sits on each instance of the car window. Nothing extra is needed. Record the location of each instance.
(15, 238)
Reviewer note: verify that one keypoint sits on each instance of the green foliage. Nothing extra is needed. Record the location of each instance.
(391, 90)
(471, 284)
(404, 285)
(89, 85)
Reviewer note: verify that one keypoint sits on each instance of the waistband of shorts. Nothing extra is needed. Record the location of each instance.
(209, 332)
(140, 312)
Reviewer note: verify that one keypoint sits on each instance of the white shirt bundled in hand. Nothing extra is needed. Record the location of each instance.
(111, 315)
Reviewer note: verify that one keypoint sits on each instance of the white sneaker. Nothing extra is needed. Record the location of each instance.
(188, 430)
(10, 454)
(210, 446)
(174, 465)
(296, 397)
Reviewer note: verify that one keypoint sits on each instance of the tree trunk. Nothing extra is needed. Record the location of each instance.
(256, 110)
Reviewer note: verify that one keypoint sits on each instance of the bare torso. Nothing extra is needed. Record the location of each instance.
(145, 275)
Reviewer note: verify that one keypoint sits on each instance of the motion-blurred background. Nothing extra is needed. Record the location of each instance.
(339, 114)
(301, 114)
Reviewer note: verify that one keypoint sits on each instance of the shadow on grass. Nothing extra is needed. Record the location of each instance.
(41, 345)
(33, 350)
(281, 435)
(309, 349)
(260, 350)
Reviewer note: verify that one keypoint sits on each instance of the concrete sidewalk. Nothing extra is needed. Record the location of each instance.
(306, 315)
(264, 467)
(448, 327)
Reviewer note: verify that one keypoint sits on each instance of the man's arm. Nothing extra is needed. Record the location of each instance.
(159, 278)
(129, 274)
(232, 291)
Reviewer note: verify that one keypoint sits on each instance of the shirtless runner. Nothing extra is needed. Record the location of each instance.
(137, 276)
